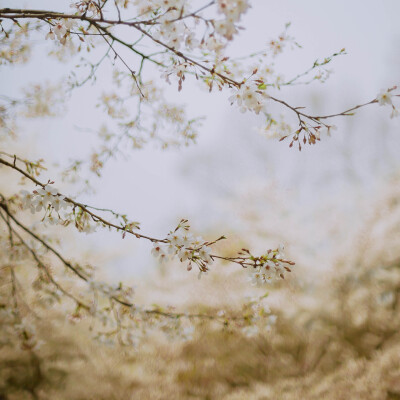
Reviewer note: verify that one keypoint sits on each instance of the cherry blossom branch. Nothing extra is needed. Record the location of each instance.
(318, 118)
(31, 166)
(178, 242)
(81, 304)
(83, 207)
(13, 14)
(44, 15)
(312, 133)
(226, 79)
(305, 120)
(156, 311)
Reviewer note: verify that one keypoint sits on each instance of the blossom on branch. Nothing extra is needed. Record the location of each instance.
(249, 98)
(384, 97)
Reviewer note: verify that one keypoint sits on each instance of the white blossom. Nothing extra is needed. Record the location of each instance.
(48, 193)
(159, 251)
(39, 204)
(204, 254)
(176, 238)
(233, 9)
(187, 239)
(258, 277)
(171, 33)
(248, 97)
(60, 30)
(226, 28)
(50, 35)
(50, 220)
(197, 242)
(213, 44)
(88, 228)
(143, 6)
(254, 277)
(190, 41)
(27, 199)
(59, 203)
(272, 270)
(384, 97)
(184, 254)
(85, 6)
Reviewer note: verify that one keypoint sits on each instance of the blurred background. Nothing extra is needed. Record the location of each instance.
(336, 207)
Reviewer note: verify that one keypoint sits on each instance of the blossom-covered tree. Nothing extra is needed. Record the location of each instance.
(150, 44)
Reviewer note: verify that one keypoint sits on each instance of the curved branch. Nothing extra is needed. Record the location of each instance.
(45, 15)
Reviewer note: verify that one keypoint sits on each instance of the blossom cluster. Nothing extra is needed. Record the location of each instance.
(232, 10)
(385, 97)
(183, 245)
(41, 199)
(174, 33)
(86, 6)
(249, 97)
(173, 25)
(60, 30)
(172, 30)
(269, 268)
(49, 199)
